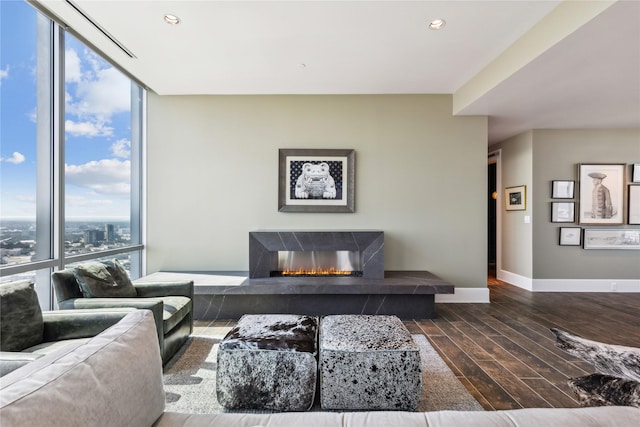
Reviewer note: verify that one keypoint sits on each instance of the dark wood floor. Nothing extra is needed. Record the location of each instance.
(504, 353)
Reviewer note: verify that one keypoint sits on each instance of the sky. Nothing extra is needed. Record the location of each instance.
(97, 125)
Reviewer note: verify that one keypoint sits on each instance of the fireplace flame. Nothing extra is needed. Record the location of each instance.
(316, 272)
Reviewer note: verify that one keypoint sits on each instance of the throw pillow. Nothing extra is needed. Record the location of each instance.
(121, 277)
(96, 282)
(601, 390)
(21, 324)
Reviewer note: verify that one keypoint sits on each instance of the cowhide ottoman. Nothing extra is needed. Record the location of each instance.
(268, 362)
(368, 363)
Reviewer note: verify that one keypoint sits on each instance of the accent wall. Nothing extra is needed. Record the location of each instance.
(420, 173)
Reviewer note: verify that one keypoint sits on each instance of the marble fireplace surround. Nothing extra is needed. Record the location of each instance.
(230, 294)
(265, 245)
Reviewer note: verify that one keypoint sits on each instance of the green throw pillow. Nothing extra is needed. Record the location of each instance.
(21, 324)
(96, 281)
(121, 277)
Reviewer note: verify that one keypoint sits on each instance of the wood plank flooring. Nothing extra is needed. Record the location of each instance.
(504, 353)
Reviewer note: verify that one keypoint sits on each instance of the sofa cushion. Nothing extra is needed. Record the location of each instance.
(12, 360)
(96, 281)
(120, 276)
(51, 346)
(600, 390)
(532, 417)
(21, 324)
(174, 310)
(114, 379)
(605, 416)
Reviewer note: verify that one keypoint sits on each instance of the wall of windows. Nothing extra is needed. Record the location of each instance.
(71, 129)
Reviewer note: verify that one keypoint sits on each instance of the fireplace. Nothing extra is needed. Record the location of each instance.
(365, 288)
(318, 264)
(316, 253)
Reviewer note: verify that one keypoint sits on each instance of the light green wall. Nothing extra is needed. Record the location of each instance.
(212, 176)
(517, 238)
(556, 156)
(535, 158)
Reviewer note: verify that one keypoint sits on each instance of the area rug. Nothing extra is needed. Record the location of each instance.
(190, 380)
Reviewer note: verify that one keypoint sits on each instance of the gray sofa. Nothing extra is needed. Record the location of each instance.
(115, 379)
(107, 285)
(27, 333)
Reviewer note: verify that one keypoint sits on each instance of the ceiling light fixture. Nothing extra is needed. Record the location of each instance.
(437, 24)
(171, 19)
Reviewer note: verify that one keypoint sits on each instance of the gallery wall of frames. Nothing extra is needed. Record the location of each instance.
(597, 208)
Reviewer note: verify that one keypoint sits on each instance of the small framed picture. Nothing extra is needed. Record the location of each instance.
(562, 212)
(515, 198)
(570, 236)
(562, 189)
(635, 174)
(634, 204)
(620, 238)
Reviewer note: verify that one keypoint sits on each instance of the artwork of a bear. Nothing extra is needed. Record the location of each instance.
(315, 182)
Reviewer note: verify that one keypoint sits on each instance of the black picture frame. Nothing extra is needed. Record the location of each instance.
(563, 212)
(562, 189)
(570, 236)
(316, 180)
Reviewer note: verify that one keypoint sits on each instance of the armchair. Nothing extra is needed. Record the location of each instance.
(107, 285)
(27, 333)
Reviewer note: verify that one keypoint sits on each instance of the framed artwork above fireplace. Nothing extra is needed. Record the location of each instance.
(316, 180)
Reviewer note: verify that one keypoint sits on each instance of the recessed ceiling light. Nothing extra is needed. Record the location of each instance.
(437, 24)
(171, 19)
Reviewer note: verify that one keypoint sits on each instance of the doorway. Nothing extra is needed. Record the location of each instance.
(493, 218)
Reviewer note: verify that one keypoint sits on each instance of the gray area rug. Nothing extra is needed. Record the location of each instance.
(190, 380)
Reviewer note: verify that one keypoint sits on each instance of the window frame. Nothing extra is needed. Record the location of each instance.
(50, 168)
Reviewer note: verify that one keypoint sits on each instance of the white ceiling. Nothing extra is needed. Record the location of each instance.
(586, 78)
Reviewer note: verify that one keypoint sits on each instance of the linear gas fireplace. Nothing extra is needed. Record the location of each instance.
(318, 263)
(316, 253)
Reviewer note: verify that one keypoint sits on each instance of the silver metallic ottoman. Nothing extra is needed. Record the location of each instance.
(368, 363)
(268, 362)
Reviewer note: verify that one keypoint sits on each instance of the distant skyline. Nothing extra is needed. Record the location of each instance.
(97, 125)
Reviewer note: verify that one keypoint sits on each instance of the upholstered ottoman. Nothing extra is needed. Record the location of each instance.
(368, 362)
(269, 362)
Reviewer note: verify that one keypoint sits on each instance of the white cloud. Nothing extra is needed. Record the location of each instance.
(88, 129)
(81, 202)
(121, 148)
(99, 91)
(72, 69)
(108, 176)
(4, 73)
(26, 198)
(16, 158)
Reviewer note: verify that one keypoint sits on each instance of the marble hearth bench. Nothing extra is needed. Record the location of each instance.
(231, 294)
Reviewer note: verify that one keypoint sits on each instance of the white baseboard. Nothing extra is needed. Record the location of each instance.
(515, 280)
(570, 285)
(586, 285)
(465, 295)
